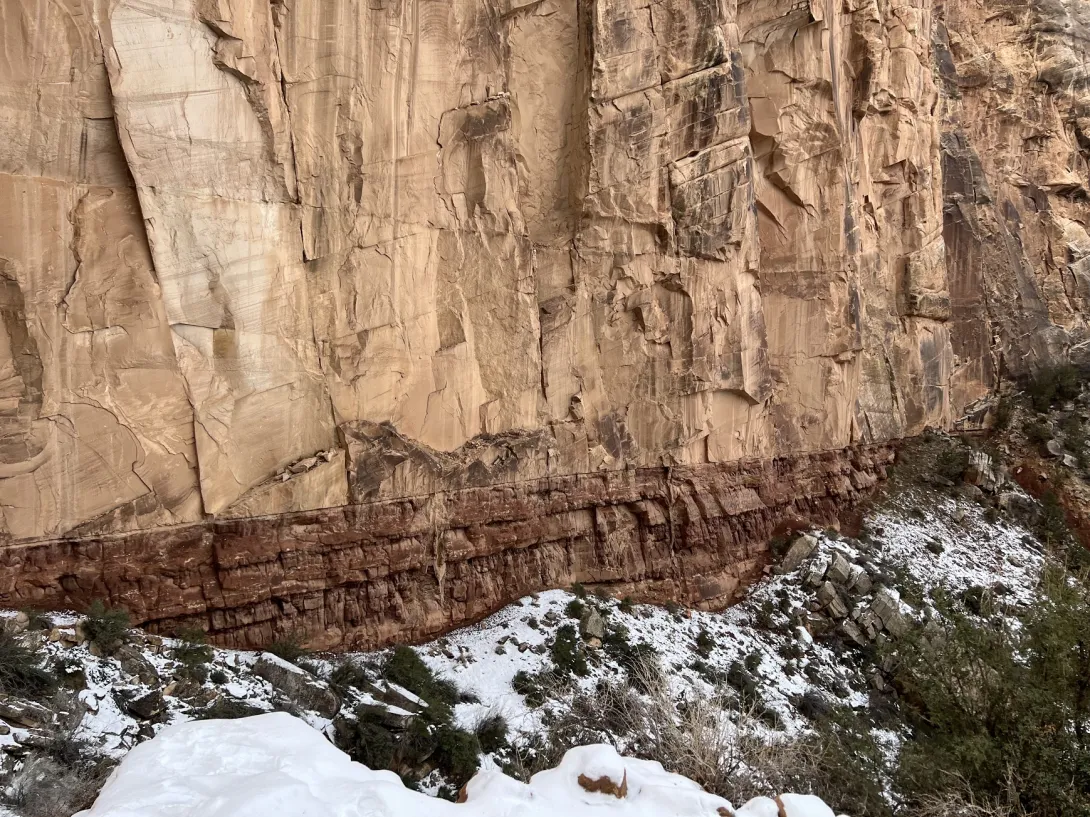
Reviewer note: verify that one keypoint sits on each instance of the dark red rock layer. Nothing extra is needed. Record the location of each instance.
(366, 575)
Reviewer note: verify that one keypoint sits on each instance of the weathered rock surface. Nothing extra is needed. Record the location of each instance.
(263, 259)
(297, 684)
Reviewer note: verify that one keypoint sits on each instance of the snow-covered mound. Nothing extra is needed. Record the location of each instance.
(275, 764)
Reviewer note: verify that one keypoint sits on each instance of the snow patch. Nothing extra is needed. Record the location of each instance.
(275, 764)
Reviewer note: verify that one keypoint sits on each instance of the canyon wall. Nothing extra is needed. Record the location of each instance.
(273, 267)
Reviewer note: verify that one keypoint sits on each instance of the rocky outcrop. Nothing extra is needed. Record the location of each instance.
(1013, 114)
(261, 258)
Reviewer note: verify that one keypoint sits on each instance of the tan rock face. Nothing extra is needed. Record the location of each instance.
(264, 257)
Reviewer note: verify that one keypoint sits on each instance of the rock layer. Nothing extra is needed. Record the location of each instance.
(270, 257)
(366, 575)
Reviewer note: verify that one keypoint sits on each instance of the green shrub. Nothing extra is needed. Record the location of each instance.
(791, 650)
(226, 708)
(813, 705)
(349, 675)
(193, 653)
(740, 678)
(631, 657)
(847, 765)
(713, 676)
(1002, 711)
(1054, 385)
(575, 609)
(1038, 433)
(369, 741)
(405, 668)
(105, 627)
(457, 754)
(579, 591)
(424, 743)
(567, 653)
(627, 605)
(705, 643)
(218, 676)
(951, 462)
(491, 733)
(288, 648)
(530, 686)
(21, 671)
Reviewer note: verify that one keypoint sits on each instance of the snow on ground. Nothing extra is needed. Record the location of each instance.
(953, 546)
(274, 764)
(974, 551)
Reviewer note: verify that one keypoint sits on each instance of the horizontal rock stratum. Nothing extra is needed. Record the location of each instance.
(408, 569)
(309, 305)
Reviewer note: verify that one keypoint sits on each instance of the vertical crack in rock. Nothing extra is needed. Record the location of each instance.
(20, 449)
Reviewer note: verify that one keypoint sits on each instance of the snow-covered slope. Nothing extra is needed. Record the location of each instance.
(275, 765)
(954, 546)
(784, 643)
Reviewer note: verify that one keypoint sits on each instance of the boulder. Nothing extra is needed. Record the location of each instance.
(860, 583)
(394, 721)
(65, 636)
(20, 622)
(819, 625)
(28, 739)
(799, 552)
(297, 684)
(1054, 448)
(887, 607)
(816, 574)
(852, 632)
(303, 465)
(831, 602)
(398, 696)
(24, 713)
(592, 625)
(840, 571)
(981, 472)
(147, 706)
(1020, 507)
(133, 662)
(870, 622)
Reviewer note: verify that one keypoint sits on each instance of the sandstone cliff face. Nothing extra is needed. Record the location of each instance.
(261, 257)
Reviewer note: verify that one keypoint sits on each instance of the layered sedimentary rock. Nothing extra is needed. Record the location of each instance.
(268, 257)
(368, 574)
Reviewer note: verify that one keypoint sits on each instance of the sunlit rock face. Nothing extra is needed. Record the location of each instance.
(260, 257)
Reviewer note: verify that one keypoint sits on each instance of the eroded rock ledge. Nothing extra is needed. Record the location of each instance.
(366, 575)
